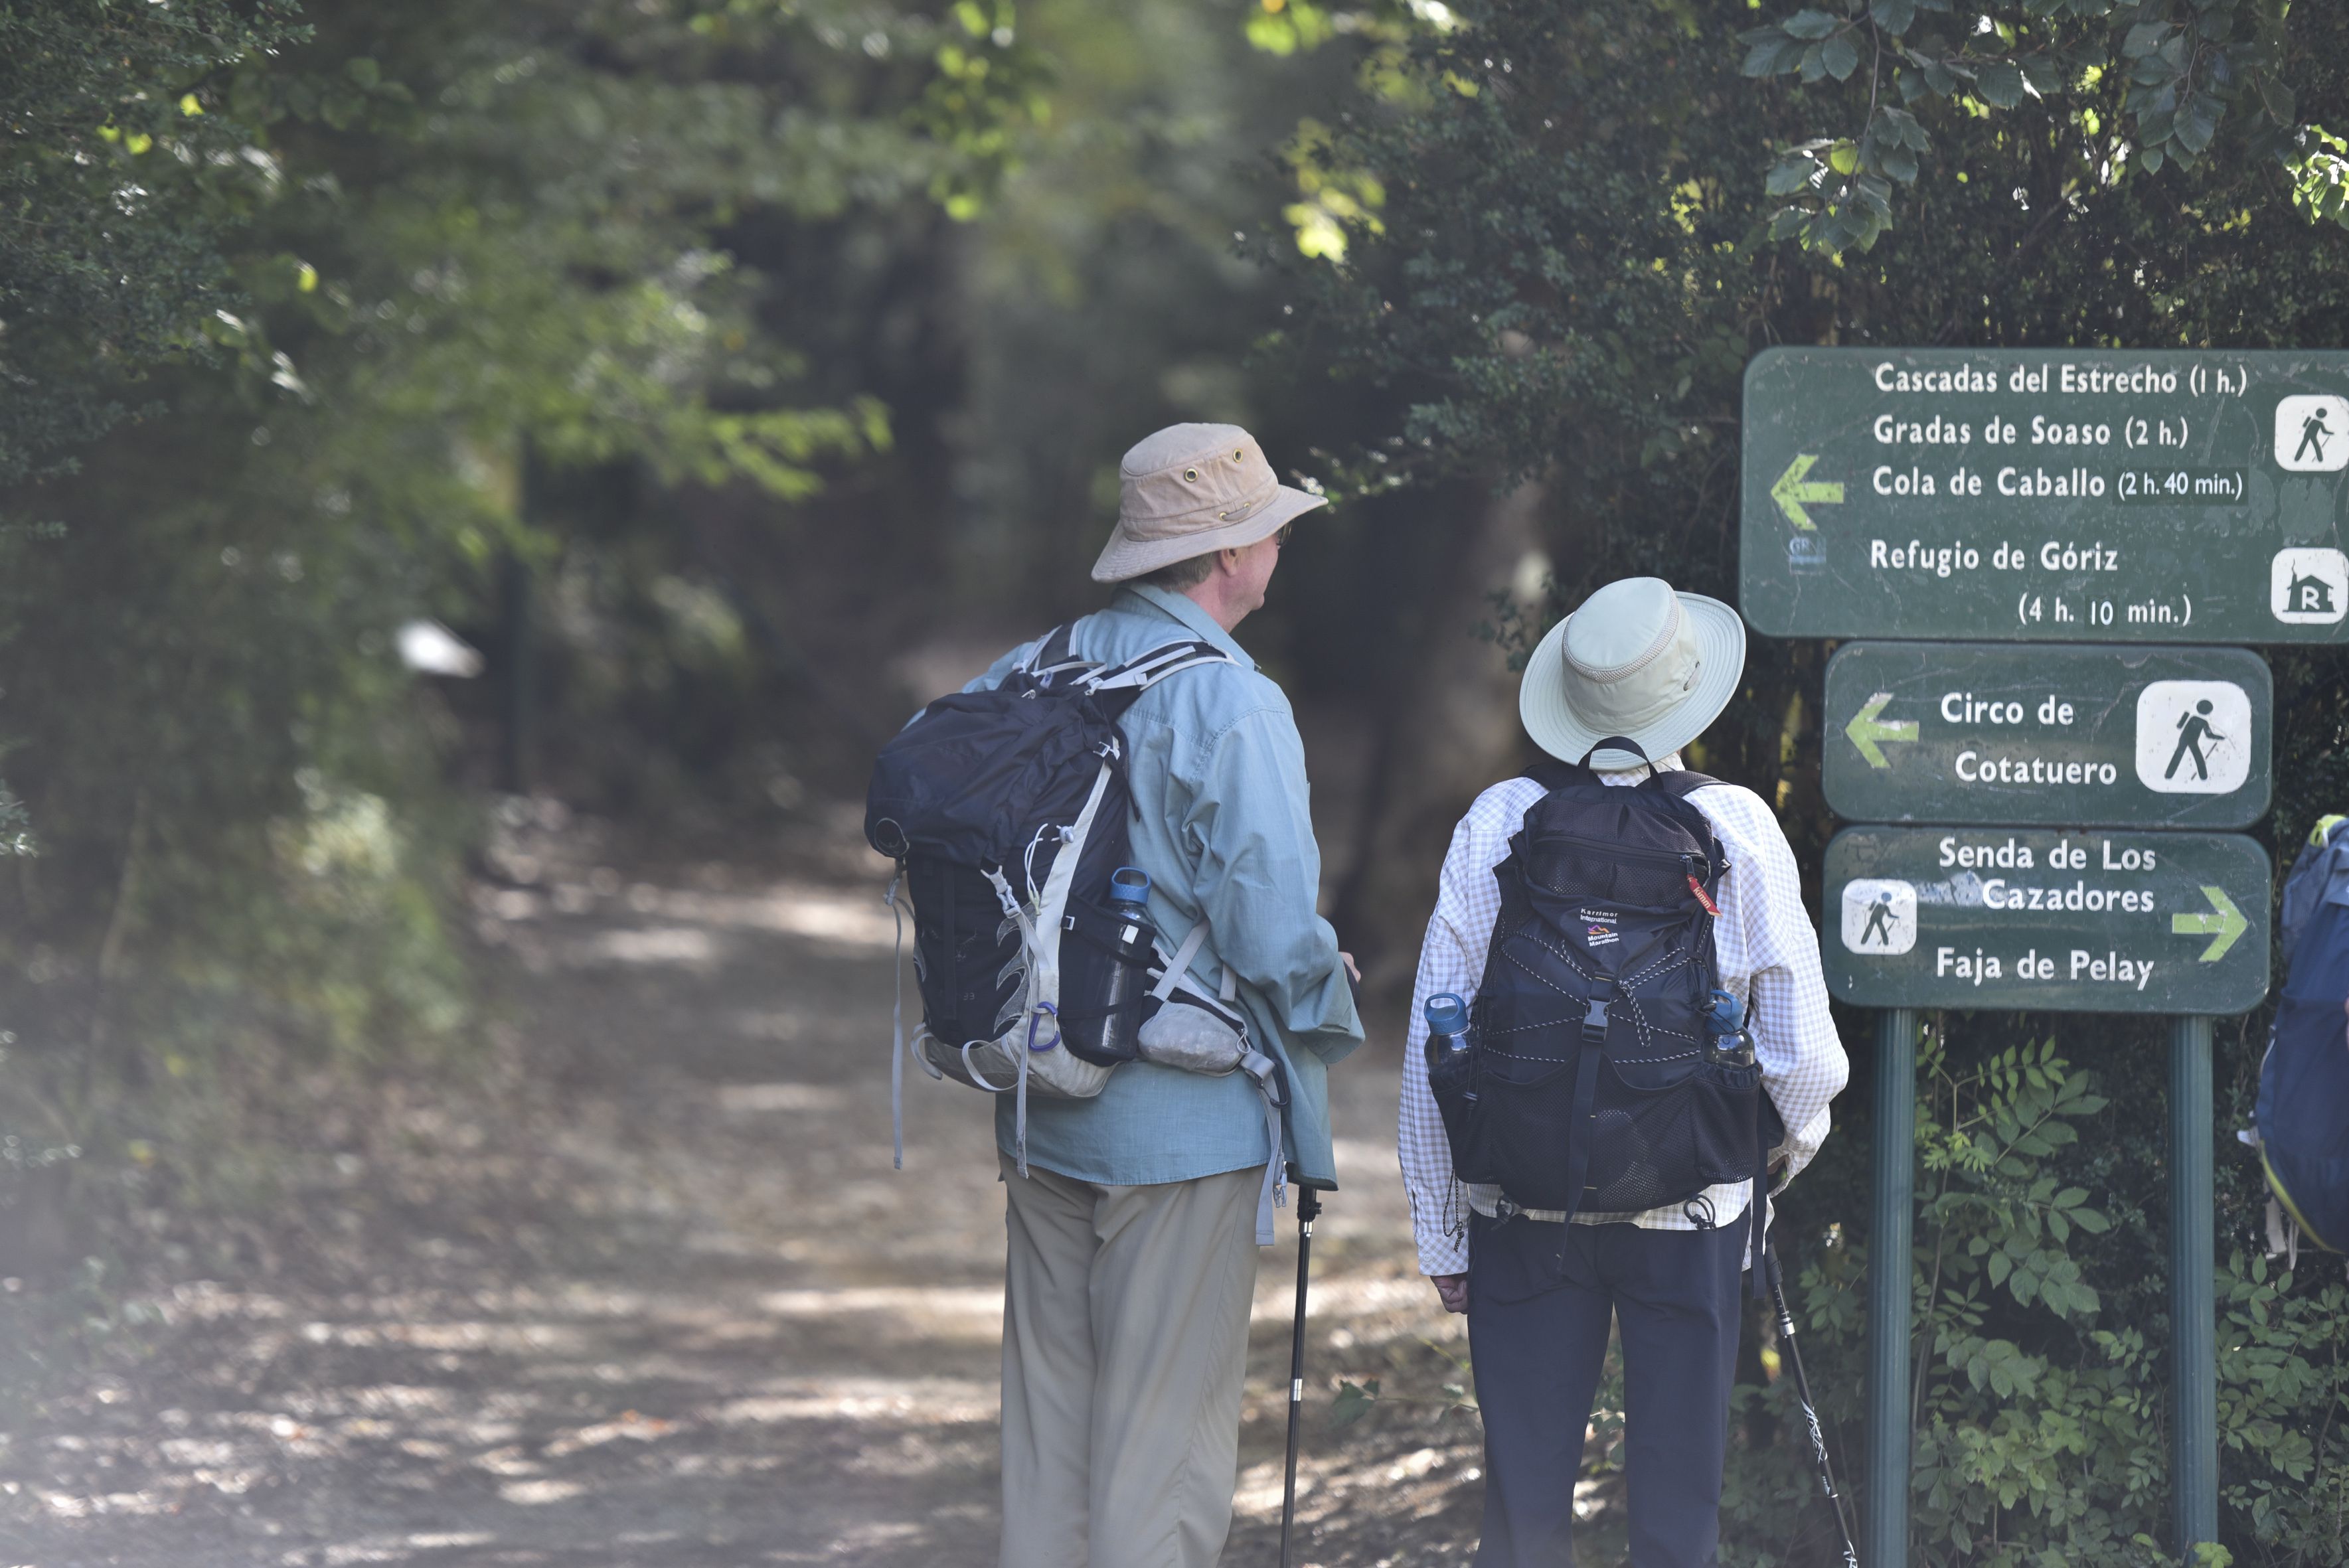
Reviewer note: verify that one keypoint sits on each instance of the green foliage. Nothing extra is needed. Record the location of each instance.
(2319, 166)
(402, 292)
(2283, 1393)
(2035, 1430)
(123, 168)
(2040, 1409)
(2119, 83)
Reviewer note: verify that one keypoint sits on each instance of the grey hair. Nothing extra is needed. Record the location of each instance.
(1182, 574)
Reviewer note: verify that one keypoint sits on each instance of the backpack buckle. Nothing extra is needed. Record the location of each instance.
(1594, 1022)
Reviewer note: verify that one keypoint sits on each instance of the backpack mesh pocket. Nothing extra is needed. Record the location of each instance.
(1519, 1127)
(1651, 1149)
(1451, 1080)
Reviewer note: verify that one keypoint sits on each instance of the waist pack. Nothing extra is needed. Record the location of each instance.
(2304, 1103)
(1589, 1082)
(1007, 811)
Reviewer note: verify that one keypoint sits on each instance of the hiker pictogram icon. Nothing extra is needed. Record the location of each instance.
(2193, 729)
(2193, 737)
(1880, 917)
(2312, 434)
(2312, 438)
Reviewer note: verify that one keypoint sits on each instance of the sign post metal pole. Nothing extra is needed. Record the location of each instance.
(2193, 1291)
(1888, 1287)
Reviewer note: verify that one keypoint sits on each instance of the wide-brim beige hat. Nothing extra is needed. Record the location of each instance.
(1636, 660)
(1192, 489)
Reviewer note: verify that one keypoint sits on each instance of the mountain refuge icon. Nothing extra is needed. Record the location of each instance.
(2309, 585)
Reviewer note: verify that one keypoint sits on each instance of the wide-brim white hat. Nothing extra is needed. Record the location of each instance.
(1636, 660)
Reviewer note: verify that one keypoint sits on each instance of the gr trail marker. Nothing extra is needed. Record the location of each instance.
(2047, 735)
(2046, 495)
(2013, 919)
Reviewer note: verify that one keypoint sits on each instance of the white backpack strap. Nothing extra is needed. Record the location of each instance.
(1179, 966)
(1035, 1004)
(1042, 932)
(1147, 670)
(1035, 667)
(1260, 1068)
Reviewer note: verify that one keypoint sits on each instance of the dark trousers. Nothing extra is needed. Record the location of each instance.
(1537, 1322)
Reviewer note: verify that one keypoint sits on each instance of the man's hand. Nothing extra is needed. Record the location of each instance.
(1352, 972)
(1454, 1289)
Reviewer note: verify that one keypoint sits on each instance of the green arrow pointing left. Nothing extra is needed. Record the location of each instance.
(1868, 726)
(1791, 491)
(2225, 925)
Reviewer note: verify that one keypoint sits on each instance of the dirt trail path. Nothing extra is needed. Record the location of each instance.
(660, 1299)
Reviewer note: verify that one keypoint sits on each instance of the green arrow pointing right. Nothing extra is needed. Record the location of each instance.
(2225, 925)
(1790, 492)
(1868, 726)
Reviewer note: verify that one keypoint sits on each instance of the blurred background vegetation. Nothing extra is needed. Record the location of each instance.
(407, 411)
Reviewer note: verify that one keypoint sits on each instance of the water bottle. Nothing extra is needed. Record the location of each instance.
(1447, 1026)
(1135, 940)
(1731, 1041)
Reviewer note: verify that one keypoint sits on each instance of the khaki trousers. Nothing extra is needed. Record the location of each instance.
(1125, 1317)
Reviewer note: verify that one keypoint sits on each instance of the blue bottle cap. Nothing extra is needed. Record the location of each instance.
(1129, 884)
(1446, 1014)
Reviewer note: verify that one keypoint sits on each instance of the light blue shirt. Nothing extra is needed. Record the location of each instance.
(1225, 831)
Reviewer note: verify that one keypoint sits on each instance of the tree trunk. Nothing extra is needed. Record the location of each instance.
(1450, 732)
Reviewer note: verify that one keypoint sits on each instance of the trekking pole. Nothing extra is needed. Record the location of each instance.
(1810, 1410)
(1308, 1208)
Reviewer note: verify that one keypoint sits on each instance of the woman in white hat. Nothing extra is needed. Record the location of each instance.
(1636, 661)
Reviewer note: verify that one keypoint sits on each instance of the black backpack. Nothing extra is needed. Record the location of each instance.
(2302, 1133)
(1590, 1081)
(1007, 811)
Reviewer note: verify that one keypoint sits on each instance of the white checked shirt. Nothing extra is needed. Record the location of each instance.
(1768, 951)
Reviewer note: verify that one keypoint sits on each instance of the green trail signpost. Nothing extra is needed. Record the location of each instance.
(2136, 501)
(2046, 920)
(2055, 737)
(2046, 495)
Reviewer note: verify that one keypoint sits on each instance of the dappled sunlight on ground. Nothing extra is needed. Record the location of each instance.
(660, 1298)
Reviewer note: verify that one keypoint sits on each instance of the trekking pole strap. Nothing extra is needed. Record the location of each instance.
(1274, 1192)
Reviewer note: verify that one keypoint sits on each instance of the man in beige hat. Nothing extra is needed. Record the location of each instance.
(1132, 1238)
(1636, 662)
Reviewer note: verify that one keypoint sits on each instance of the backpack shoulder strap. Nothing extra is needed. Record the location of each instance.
(1552, 774)
(1056, 654)
(1680, 786)
(1139, 674)
(1677, 787)
(1147, 670)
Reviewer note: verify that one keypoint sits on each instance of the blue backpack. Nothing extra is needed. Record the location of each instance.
(2303, 1107)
